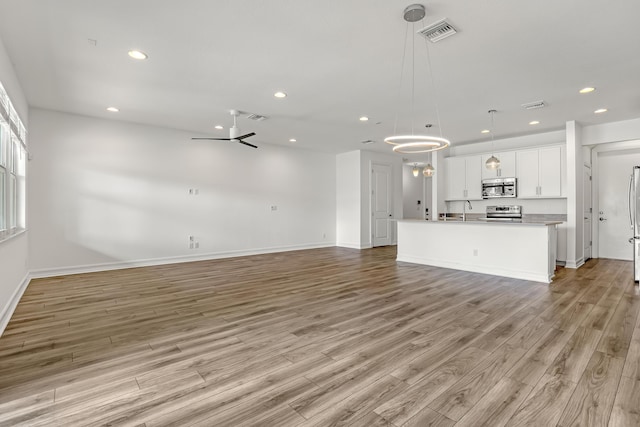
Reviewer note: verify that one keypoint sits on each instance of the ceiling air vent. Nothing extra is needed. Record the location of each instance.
(438, 31)
(257, 117)
(367, 142)
(534, 105)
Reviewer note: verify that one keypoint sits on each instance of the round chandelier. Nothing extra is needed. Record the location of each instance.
(411, 144)
(416, 143)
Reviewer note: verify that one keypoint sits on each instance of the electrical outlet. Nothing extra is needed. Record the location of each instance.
(324, 235)
(274, 207)
(475, 252)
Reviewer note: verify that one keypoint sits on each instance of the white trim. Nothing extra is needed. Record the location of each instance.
(353, 245)
(92, 268)
(574, 264)
(7, 310)
(523, 275)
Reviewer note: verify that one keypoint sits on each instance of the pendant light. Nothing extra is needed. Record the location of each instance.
(428, 171)
(492, 162)
(415, 170)
(416, 143)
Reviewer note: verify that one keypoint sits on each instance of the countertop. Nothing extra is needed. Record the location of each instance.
(478, 221)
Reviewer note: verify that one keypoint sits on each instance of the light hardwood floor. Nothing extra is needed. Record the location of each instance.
(324, 337)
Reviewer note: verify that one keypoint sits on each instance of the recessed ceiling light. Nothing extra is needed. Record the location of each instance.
(600, 110)
(364, 118)
(280, 95)
(136, 54)
(292, 140)
(485, 131)
(219, 127)
(587, 89)
(534, 122)
(113, 109)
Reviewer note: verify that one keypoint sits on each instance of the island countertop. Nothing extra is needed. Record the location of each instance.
(486, 221)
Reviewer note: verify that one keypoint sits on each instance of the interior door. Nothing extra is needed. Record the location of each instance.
(381, 205)
(587, 212)
(614, 229)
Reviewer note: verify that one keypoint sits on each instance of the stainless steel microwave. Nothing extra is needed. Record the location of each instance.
(498, 187)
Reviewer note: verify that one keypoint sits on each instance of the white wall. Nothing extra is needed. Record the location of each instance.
(507, 144)
(575, 196)
(611, 132)
(348, 215)
(107, 194)
(13, 252)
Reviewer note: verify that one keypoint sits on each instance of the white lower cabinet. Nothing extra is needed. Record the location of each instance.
(561, 252)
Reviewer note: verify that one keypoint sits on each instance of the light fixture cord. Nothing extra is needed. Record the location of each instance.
(433, 84)
(492, 128)
(413, 75)
(404, 54)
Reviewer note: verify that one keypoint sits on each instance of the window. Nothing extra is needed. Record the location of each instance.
(13, 158)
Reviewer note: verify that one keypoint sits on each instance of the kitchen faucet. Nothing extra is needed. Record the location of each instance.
(464, 209)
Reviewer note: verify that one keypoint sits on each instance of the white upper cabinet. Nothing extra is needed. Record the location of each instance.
(464, 176)
(507, 167)
(541, 172)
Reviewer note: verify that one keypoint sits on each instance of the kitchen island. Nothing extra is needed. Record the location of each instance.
(521, 250)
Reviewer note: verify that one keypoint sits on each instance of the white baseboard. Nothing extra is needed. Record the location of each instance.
(515, 274)
(7, 311)
(575, 264)
(92, 268)
(353, 245)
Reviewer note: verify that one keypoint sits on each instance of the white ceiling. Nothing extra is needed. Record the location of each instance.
(337, 60)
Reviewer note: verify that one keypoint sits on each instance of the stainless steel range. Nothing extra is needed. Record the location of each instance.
(504, 213)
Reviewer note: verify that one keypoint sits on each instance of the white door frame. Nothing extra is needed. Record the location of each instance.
(595, 185)
(586, 168)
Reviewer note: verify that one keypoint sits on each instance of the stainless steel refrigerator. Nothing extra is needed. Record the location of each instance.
(634, 219)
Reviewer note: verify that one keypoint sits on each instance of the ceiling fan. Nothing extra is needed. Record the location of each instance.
(234, 132)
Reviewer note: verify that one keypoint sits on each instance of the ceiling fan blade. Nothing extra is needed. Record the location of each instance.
(245, 136)
(246, 143)
(215, 139)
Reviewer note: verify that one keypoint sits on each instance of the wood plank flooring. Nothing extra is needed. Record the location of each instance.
(323, 337)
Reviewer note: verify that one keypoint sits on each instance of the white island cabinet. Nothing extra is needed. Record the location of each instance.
(525, 250)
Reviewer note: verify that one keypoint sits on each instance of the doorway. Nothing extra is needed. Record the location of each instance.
(614, 229)
(381, 204)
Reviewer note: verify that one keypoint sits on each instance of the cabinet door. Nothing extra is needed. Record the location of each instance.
(507, 167)
(550, 172)
(527, 164)
(456, 178)
(490, 173)
(474, 177)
